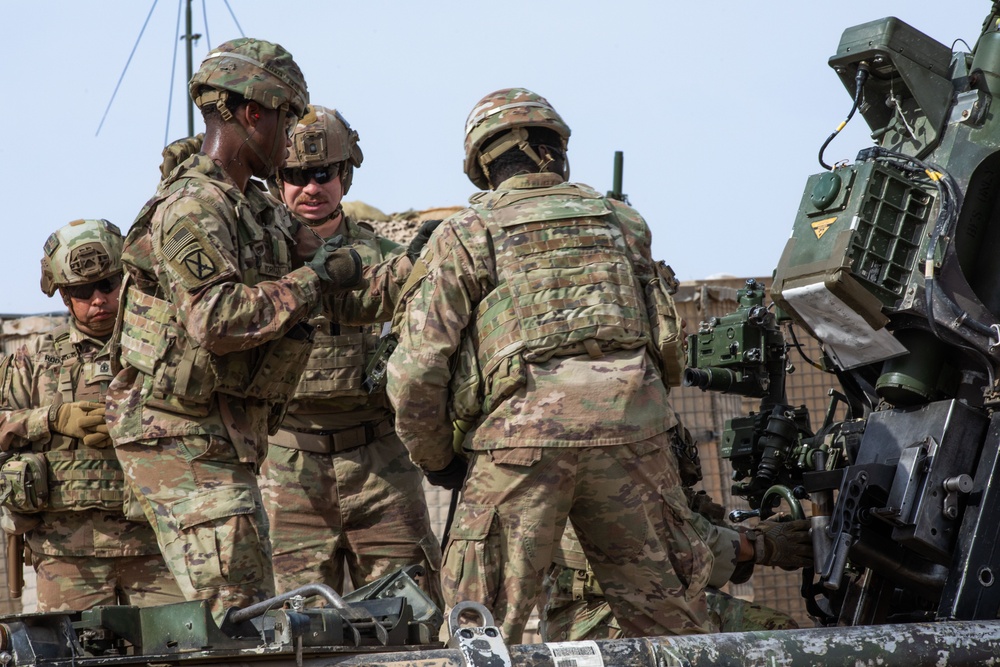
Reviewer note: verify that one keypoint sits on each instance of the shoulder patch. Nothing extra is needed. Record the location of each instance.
(191, 256)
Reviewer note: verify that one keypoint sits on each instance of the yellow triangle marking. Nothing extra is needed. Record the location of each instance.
(820, 226)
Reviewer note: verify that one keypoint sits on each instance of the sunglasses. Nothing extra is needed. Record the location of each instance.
(301, 177)
(85, 291)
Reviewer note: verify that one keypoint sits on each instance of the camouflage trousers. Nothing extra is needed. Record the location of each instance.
(652, 565)
(363, 508)
(205, 508)
(77, 583)
(575, 610)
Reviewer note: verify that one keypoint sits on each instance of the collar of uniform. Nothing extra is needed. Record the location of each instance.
(527, 181)
(82, 341)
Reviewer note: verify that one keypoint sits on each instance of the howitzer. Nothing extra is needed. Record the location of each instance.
(184, 634)
(891, 267)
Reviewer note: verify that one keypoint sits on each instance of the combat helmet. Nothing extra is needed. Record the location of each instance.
(508, 111)
(323, 136)
(257, 70)
(84, 251)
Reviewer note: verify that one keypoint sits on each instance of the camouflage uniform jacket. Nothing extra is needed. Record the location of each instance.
(221, 260)
(556, 404)
(330, 395)
(30, 386)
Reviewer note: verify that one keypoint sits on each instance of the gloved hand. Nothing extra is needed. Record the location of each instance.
(178, 151)
(78, 419)
(97, 429)
(452, 476)
(702, 503)
(421, 239)
(782, 543)
(338, 267)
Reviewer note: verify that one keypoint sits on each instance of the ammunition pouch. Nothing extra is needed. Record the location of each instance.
(578, 584)
(62, 481)
(24, 483)
(667, 337)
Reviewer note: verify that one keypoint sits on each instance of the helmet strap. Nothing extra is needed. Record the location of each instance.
(316, 223)
(248, 140)
(516, 138)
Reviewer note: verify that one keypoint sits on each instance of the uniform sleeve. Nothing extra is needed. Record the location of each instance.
(20, 423)
(438, 309)
(383, 282)
(198, 269)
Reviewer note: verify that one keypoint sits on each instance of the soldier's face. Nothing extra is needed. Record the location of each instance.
(312, 200)
(94, 306)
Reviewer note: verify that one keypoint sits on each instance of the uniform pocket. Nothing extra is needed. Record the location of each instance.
(689, 554)
(472, 562)
(221, 543)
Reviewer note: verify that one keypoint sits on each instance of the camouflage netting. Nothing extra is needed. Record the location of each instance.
(398, 227)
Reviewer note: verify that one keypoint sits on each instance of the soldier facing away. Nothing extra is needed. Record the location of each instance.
(572, 331)
(338, 485)
(213, 340)
(84, 549)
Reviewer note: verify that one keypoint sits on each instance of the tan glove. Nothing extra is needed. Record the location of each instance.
(178, 151)
(782, 543)
(79, 419)
(97, 429)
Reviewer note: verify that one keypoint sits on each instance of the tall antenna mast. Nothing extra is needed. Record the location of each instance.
(190, 66)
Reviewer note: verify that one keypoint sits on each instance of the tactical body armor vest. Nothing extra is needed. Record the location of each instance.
(61, 473)
(566, 284)
(340, 353)
(184, 375)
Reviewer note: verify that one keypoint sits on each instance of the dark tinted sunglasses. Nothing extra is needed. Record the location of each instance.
(301, 177)
(85, 291)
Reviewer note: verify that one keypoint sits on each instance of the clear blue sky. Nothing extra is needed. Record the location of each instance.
(720, 107)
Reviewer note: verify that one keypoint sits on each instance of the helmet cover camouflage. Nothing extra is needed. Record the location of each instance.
(502, 111)
(323, 136)
(257, 70)
(84, 251)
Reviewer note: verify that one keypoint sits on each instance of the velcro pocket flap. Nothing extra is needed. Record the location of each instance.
(212, 505)
(472, 522)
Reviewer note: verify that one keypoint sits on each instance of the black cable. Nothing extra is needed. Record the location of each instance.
(859, 84)
(117, 85)
(801, 349)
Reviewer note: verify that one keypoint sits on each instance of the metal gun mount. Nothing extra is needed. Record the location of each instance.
(891, 267)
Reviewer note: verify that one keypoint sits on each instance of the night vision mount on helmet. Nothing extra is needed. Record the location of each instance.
(84, 251)
(323, 136)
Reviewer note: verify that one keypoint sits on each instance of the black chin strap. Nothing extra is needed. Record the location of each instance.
(316, 223)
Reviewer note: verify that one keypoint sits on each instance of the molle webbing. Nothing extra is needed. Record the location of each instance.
(336, 366)
(566, 284)
(85, 479)
(68, 356)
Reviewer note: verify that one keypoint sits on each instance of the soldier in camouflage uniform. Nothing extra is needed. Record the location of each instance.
(213, 339)
(85, 551)
(572, 330)
(575, 608)
(338, 485)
